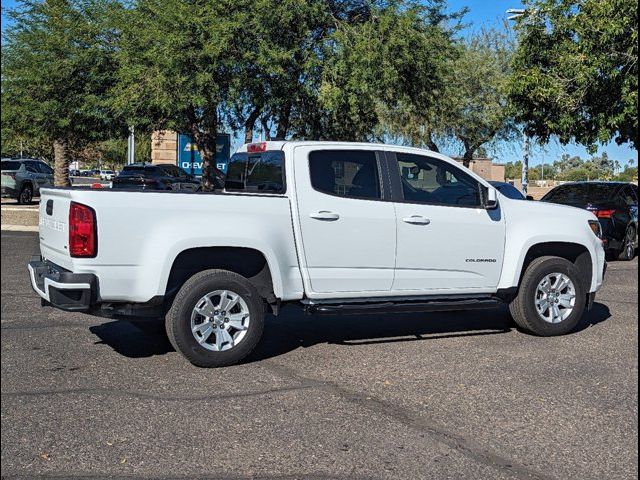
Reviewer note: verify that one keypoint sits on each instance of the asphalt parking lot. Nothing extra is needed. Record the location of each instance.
(453, 395)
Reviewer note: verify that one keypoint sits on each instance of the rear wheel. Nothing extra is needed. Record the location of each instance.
(216, 319)
(551, 298)
(26, 195)
(628, 251)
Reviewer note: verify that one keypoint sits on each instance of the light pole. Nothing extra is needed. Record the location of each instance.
(515, 14)
(131, 146)
(525, 164)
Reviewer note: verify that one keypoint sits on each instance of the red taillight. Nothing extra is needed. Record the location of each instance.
(96, 185)
(257, 147)
(604, 213)
(83, 240)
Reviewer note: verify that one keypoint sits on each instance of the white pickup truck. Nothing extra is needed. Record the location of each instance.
(337, 227)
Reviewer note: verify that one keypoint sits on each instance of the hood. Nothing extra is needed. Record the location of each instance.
(547, 209)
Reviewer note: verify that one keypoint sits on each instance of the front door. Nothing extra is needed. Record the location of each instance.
(447, 241)
(348, 231)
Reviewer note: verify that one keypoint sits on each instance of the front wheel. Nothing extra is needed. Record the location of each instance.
(551, 298)
(26, 195)
(216, 319)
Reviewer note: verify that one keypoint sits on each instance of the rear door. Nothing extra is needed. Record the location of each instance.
(447, 241)
(47, 174)
(348, 227)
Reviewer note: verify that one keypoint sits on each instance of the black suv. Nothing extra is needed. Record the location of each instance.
(162, 176)
(616, 206)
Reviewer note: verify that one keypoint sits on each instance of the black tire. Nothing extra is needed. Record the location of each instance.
(178, 319)
(523, 308)
(628, 250)
(26, 195)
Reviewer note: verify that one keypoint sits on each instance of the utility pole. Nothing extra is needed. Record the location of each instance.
(131, 146)
(525, 164)
(516, 14)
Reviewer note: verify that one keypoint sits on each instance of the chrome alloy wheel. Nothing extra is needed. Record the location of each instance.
(630, 243)
(220, 320)
(555, 297)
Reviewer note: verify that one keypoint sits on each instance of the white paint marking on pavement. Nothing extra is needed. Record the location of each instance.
(20, 228)
(19, 209)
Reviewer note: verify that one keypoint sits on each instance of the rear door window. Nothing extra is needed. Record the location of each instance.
(629, 196)
(32, 167)
(256, 172)
(10, 165)
(346, 173)
(44, 168)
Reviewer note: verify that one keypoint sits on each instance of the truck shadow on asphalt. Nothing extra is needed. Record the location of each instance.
(292, 329)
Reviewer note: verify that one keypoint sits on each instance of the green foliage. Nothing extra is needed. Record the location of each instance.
(573, 168)
(57, 65)
(471, 107)
(576, 70)
(629, 174)
(397, 57)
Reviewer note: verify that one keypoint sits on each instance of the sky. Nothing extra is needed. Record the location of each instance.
(489, 13)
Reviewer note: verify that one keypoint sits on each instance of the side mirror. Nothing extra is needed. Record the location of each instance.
(492, 199)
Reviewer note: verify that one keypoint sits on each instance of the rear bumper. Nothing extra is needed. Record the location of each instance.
(73, 292)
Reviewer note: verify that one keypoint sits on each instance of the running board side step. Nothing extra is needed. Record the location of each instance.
(352, 308)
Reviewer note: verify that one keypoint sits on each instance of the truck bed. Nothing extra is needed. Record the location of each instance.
(140, 234)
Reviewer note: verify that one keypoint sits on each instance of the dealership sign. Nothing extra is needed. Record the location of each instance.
(189, 157)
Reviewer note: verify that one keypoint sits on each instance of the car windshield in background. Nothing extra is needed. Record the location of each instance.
(581, 193)
(9, 165)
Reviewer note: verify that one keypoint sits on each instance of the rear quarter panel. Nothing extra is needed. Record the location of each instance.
(141, 233)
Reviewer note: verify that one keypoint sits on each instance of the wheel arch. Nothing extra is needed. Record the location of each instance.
(248, 262)
(576, 253)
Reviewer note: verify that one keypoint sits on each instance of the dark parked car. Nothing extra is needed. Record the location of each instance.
(616, 206)
(510, 191)
(147, 176)
(22, 178)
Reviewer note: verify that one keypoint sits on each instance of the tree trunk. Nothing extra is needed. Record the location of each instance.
(431, 144)
(265, 128)
(249, 124)
(283, 123)
(61, 164)
(467, 157)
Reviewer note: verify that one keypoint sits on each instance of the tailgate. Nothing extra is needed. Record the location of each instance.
(54, 226)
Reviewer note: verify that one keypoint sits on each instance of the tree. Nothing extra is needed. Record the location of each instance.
(472, 110)
(576, 70)
(396, 57)
(178, 61)
(57, 64)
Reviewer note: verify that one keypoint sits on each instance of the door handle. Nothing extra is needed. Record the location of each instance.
(417, 220)
(324, 215)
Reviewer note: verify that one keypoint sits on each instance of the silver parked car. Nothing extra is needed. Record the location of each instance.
(22, 178)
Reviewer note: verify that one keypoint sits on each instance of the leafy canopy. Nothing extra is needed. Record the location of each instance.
(576, 70)
(57, 66)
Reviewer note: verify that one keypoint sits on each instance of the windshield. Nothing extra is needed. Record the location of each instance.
(581, 193)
